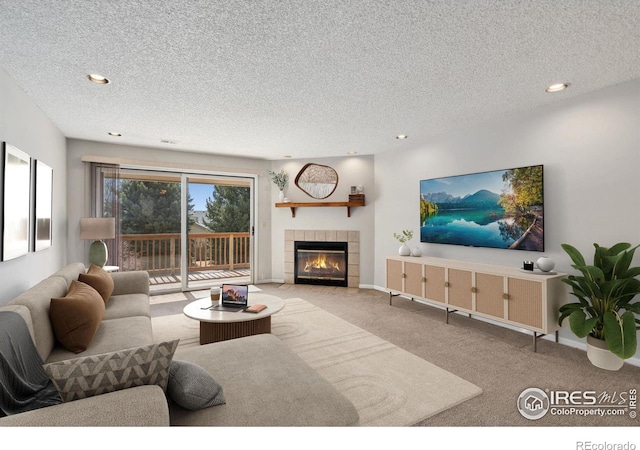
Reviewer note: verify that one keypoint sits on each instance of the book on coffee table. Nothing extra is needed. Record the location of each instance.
(255, 308)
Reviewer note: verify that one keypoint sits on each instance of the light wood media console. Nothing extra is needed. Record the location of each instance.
(503, 294)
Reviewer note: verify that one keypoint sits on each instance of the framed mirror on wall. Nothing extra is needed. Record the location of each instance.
(317, 181)
(43, 205)
(16, 192)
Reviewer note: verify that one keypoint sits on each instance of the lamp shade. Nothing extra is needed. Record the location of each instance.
(97, 228)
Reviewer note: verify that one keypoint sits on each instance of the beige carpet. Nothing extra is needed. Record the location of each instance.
(388, 386)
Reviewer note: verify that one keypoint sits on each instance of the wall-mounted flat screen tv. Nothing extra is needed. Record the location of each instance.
(497, 209)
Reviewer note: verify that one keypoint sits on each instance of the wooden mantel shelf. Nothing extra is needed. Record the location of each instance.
(295, 205)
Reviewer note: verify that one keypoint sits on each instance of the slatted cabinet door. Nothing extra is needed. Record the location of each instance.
(413, 279)
(490, 295)
(434, 283)
(394, 275)
(460, 288)
(525, 302)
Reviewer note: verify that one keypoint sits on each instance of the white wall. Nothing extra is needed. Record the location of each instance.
(24, 125)
(352, 171)
(590, 148)
(80, 192)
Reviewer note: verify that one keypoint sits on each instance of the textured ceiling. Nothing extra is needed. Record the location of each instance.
(306, 78)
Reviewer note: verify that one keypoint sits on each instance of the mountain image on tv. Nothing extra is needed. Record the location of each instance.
(498, 209)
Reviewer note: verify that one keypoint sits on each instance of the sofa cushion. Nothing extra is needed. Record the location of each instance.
(285, 391)
(76, 317)
(127, 305)
(112, 335)
(191, 387)
(99, 279)
(98, 374)
(70, 272)
(133, 282)
(146, 406)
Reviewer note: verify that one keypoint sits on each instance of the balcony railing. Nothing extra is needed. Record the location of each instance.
(160, 253)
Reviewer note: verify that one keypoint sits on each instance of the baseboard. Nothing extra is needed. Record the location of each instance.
(581, 345)
(269, 281)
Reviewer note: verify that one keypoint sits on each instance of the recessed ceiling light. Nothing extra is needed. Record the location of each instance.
(557, 87)
(167, 141)
(114, 133)
(98, 79)
(352, 153)
(402, 136)
(287, 156)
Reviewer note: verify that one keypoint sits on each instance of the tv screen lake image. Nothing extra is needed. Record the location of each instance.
(498, 209)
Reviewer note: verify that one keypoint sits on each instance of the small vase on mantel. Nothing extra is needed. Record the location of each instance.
(404, 250)
(281, 196)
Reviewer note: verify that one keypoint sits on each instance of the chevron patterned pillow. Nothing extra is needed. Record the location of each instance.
(98, 374)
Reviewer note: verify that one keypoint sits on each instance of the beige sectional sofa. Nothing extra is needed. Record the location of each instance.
(264, 383)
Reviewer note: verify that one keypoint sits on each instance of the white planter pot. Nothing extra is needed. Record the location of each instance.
(600, 355)
(404, 250)
(281, 196)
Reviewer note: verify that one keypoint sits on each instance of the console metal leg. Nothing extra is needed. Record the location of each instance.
(447, 312)
(536, 336)
(391, 295)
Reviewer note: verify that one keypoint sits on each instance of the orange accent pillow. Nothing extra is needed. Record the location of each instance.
(100, 280)
(76, 317)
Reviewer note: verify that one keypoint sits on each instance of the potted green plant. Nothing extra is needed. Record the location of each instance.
(406, 235)
(606, 311)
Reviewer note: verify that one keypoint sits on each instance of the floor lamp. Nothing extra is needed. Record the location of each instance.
(98, 228)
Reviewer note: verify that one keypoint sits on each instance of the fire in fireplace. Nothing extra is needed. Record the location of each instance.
(321, 263)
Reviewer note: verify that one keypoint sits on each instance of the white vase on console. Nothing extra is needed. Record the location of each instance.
(545, 264)
(404, 250)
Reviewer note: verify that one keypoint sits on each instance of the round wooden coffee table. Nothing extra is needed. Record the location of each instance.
(218, 326)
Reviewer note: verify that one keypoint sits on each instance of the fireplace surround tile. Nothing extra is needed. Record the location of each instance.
(352, 237)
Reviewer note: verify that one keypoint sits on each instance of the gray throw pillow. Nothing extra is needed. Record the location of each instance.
(98, 374)
(191, 387)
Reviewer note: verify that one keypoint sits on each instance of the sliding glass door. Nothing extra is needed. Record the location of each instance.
(218, 223)
(188, 231)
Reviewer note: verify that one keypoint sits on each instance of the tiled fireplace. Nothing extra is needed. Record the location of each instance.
(329, 239)
(321, 263)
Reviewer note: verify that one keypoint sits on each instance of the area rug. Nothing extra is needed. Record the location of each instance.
(388, 385)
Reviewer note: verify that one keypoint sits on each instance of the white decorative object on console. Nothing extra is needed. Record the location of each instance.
(545, 264)
(404, 250)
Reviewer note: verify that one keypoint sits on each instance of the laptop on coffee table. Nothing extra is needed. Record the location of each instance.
(233, 297)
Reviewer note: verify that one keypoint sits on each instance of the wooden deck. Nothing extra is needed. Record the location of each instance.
(161, 282)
